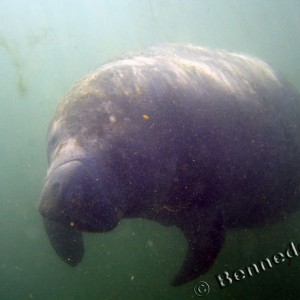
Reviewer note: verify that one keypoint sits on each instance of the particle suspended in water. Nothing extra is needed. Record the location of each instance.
(131, 277)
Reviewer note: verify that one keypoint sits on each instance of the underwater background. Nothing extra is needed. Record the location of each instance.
(46, 47)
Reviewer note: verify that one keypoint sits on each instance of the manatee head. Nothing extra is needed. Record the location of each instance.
(75, 197)
(79, 194)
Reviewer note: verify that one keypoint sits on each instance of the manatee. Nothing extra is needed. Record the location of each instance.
(202, 139)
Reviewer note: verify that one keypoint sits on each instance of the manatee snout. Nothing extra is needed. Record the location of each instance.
(72, 196)
(61, 197)
(72, 202)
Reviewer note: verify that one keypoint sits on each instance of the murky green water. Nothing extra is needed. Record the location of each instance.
(45, 47)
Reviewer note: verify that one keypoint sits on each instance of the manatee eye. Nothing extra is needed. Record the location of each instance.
(75, 194)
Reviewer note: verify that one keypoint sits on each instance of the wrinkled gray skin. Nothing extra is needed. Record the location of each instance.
(201, 139)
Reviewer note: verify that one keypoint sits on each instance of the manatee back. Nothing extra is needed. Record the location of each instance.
(227, 123)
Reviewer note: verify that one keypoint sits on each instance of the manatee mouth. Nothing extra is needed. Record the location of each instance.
(67, 242)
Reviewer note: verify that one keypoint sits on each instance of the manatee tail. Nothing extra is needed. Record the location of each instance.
(205, 235)
(67, 242)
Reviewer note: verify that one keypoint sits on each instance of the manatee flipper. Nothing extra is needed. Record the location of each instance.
(67, 242)
(205, 235)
